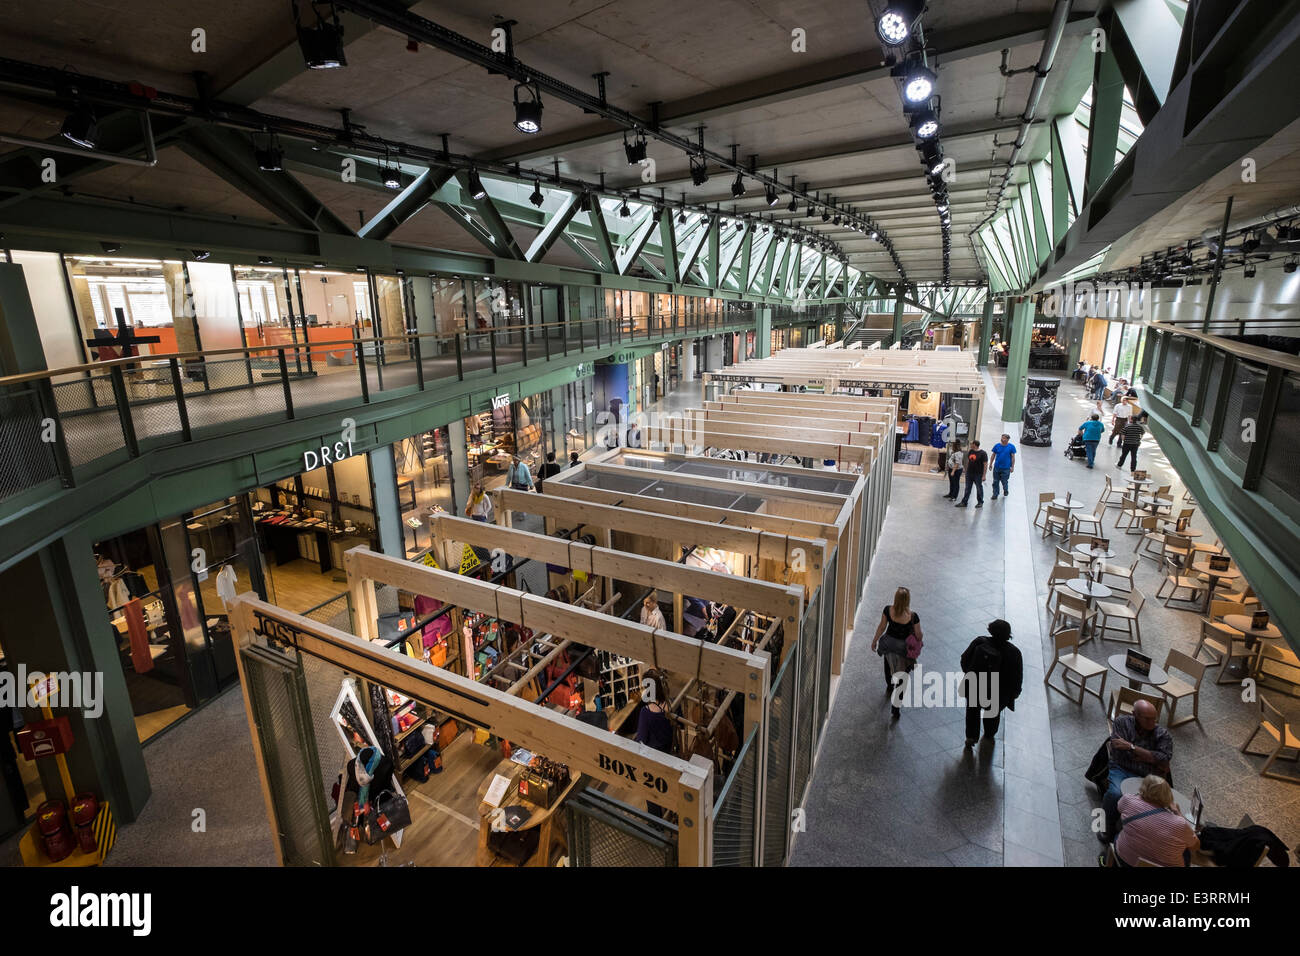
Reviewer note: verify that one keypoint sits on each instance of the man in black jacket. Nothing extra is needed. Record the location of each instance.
(994, 673)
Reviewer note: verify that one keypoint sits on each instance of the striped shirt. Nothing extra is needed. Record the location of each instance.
(1160, 837)
(1133, 432)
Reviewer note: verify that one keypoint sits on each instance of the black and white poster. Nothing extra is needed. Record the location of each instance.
(1040, 409)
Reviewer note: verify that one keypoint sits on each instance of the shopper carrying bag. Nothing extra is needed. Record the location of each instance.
(898, 624)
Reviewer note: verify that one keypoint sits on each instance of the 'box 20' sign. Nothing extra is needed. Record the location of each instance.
(621, 769)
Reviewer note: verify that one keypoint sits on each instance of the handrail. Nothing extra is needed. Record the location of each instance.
(253, 351)
(1252, 353)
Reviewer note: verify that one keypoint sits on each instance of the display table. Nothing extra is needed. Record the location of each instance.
(549, 820)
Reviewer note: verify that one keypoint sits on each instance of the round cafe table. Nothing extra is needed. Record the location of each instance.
(1188, 532)
(1087, 551)
(1138, 483)
(1090, 590)
(1241, 622)
(1130, 786)
(1118, 663)
(1231, 574)
(1072, 504)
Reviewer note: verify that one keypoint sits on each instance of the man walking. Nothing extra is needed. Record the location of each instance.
(1092, 430)
(1130, 440)
(977, 461)
(546, 471)
(1099, 385)
(994, 673)
(1004, 463)
(1122, 413)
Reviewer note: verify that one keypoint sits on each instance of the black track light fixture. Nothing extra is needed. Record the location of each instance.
(623, 211)
(770, 194)
(699, 170)
(924, 124)
(537, 198)
(838, 219)
(263, 260)
(270, 158)
(1249, 271)
(110, 247)
(897, 21)
(81, 126)
(918, 84)
(392, 172)
(321, 44)
(474, 184)
(738, 187)
(1289, 264)
(635, 150)
(200, 254)
(528, 111)
(1250, 243)
(826, 215)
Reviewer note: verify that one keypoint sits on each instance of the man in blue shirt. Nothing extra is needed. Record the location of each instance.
(1092, 430)
(1099, 385)
(1004, 463)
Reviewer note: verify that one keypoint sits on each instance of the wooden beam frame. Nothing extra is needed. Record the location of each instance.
(686, 787)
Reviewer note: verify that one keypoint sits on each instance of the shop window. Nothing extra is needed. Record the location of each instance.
(144, 296)
(424, 485)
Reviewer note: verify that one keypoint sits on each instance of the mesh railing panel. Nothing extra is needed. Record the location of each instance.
(1282, 457)
(336, 612)
(805, 705)
(1173, 361)
(155, 420)
(604, 832)
(1239, 422)
(285, 731)
(83, 393)
(323, 383)
(780, 742)
(1212, 391)
(1195, 360)
(324, 681)
(211, 408)
(736, 808)
(25, 459)
(825, 653)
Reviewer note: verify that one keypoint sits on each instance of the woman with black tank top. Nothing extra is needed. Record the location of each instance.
(897, 622)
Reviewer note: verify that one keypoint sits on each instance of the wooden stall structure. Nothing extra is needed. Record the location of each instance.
(939, 387)
(273, 644)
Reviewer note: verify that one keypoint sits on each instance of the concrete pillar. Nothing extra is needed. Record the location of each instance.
(1022, 329)
(20, 340)
(688, 358)
(61, 625)
(459, 463)
(985, 333)
(763, 333)
(713, 353)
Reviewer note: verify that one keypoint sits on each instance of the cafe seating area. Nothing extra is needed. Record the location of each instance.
(1141, 601)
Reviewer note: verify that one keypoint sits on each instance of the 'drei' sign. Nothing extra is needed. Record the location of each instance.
(326, 455)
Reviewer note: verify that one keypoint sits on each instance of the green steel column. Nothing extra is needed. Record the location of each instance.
(1022, 328)
(898, 319)
(383, 474)
(986, 333)
(763, 332)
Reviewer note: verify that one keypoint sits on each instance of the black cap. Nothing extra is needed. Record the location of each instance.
(1000, 630)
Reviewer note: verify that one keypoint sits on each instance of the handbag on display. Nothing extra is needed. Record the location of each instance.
(392, 812)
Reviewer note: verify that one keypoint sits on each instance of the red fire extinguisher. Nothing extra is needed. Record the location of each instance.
(84, 810)
(52, 821)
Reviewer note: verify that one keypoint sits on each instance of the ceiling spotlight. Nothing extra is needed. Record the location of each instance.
(110, 247)
(537, 198)
(918, 84)
(1250, 243)
(738, 187)
(699, 170)
(322, 44)
(875, 235)
(263, 260)
(895, 24)
(81, 127)
(528, 112)
(623, 211)
(1289, 264)
(681, 216)
(739, 225)
(826, 215)
(812, 210)
(635, 150)
(475, 184)
(200, 254)
(1250, 270)
(771, 195)
(837, 220)
(270, 159)
(937, 169)
(393, 176)
(943, 207)
(925, 124)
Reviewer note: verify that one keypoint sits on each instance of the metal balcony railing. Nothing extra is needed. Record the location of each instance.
(72, 423)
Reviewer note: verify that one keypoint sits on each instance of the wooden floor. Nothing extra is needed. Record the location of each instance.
(929, 461)
(295, 586)
(444, 812)
(146, 725)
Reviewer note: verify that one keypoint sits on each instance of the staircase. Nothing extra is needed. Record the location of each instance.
(869, 331)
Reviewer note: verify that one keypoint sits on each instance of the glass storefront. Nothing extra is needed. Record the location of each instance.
(424, 484)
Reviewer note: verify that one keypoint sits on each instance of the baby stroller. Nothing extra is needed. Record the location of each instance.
(1075, 450)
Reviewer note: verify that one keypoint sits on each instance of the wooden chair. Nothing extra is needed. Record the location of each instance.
(1129, 613)
(1058, 517)
(1246, 597)
(1177, 553)
(1274, 723)
(1216, 548)
(1118, 571)
(1129, 509)
(1044, 499)
(1056, 583)
(1152, 543)
(1175, 689)
(1280, 666)
(1111, 497)
(1066, 556)
(1087, 524)
(1225, 645)
(1220, 608)
(1122, 700)
(1075, 663)
(1189, 497)
(1072, 608)
(1182, 582)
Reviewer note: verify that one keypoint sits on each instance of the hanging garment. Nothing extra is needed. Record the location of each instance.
(226, 583)
(913, 430)
(141, 659)
(118, 594)
(925, 429)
